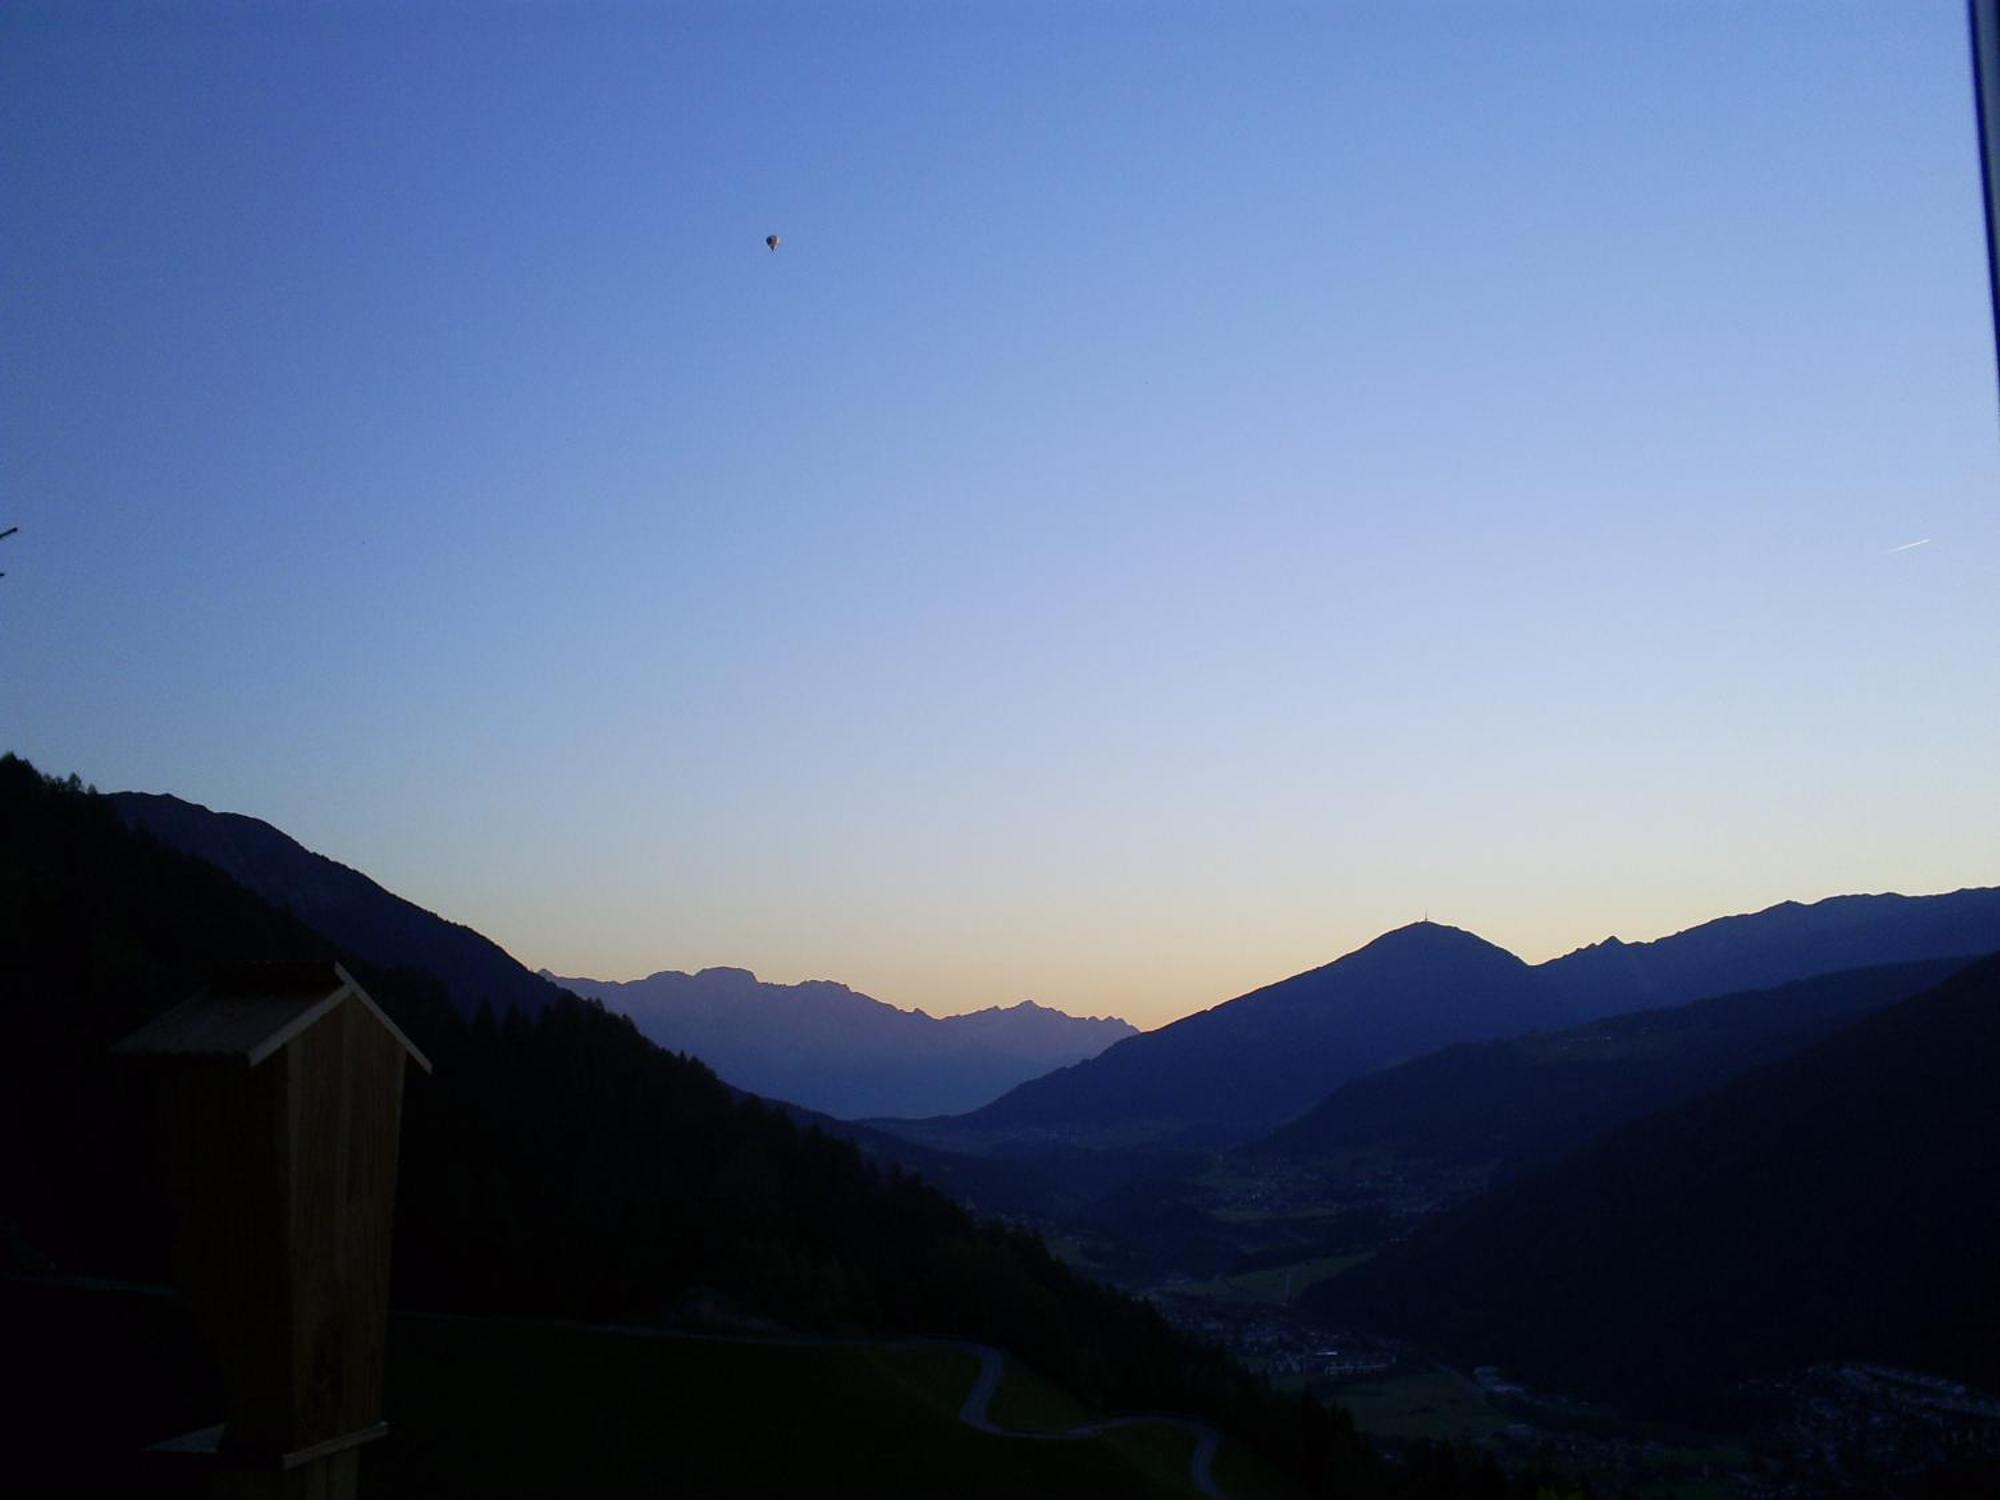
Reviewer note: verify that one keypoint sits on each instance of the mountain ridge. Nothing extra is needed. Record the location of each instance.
(342, 903)
(1220, 1074)
(1236, 1070)
(828, 1047)
(1763, 948)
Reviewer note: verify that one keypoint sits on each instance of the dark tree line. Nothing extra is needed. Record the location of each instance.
(559, 1166)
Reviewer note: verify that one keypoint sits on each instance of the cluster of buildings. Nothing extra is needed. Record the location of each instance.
(1271, 1340)
(1864, 1426)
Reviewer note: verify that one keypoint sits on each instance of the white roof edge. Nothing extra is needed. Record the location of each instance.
(297, 1024)
(381, 1015)
(305, 1018)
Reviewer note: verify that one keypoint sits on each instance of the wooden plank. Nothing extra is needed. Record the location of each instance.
(347, 1098)
(335, 1478)
(226, 1137)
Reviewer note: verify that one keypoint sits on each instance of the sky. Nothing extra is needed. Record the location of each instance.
(1196, 487)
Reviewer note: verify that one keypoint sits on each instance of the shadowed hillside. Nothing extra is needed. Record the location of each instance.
(1841, 1205)
(344, 905)
(1527, 1099)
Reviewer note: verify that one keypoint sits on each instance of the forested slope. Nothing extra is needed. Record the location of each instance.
(555, 1165)
(1842, 1204)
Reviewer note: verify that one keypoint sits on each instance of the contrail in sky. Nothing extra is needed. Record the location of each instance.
(1908, 545)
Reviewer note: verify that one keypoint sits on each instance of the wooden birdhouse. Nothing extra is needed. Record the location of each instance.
(281, 1089)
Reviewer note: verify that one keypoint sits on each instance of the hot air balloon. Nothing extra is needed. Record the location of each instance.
(773, 241)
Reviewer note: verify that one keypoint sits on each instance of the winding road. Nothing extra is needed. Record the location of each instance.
(975, 1412)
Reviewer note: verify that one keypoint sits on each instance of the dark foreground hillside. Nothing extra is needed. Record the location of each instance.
(505, 1409)
(559, 1166)
(1842, 1205)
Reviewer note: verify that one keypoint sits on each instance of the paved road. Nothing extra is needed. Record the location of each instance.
(976, 1412)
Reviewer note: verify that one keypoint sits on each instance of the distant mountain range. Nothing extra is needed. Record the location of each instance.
(1229, 1074)
(1775, 946)
(1842, 1204)
(835, 1050)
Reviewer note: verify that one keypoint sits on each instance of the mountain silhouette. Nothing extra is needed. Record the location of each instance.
(1229, 1072)
(341, 904)
(1777, 945)
(835, 1050)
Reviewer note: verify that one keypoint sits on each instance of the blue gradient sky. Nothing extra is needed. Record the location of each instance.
(1199, 485)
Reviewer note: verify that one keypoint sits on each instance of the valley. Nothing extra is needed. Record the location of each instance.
(1378, 1255)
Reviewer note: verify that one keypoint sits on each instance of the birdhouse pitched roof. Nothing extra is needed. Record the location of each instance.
(251, 1011)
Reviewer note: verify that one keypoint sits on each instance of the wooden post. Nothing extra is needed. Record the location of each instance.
(282, 1097)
